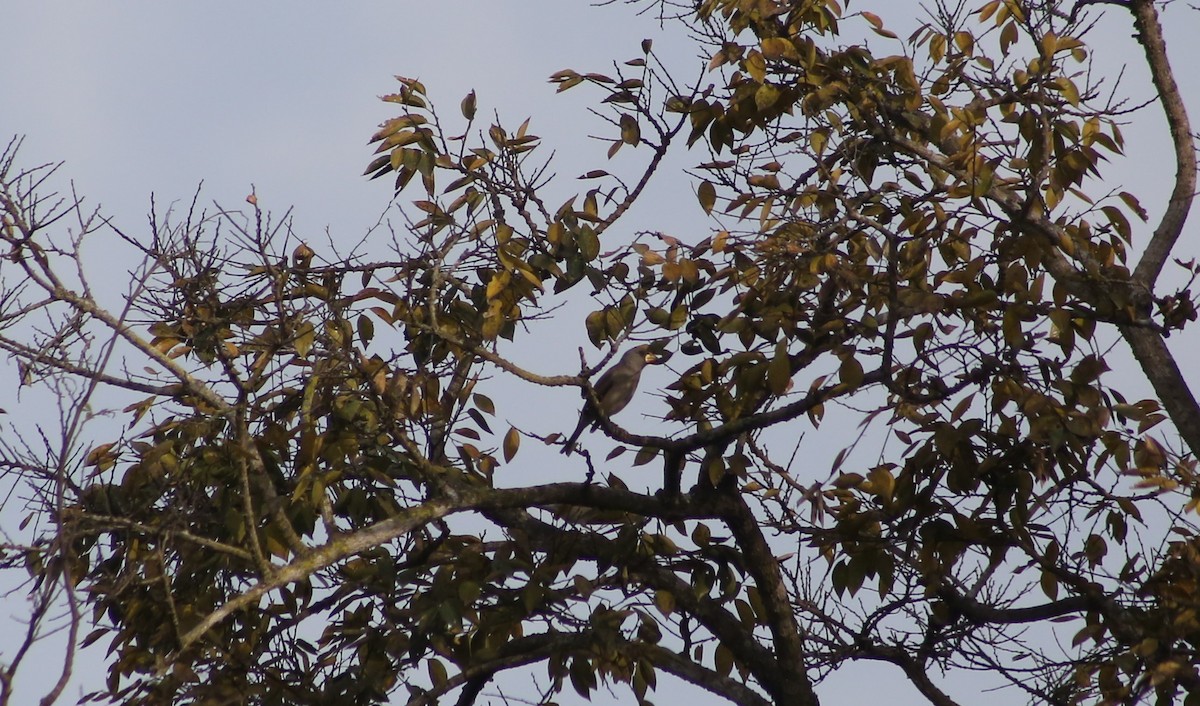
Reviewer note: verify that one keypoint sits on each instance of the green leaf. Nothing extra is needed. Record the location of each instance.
(645, 455)
(595, 323)
(589, 244)
(779, 370)
(1049, 585)
(366, 329)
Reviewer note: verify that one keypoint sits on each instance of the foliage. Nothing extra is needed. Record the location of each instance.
(316, 501)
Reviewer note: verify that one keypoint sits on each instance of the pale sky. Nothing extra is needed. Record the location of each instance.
(141, 97)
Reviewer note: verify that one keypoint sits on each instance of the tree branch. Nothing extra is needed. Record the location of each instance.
(1150, 36)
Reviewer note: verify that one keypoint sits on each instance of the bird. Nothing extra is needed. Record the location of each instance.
(614, 390)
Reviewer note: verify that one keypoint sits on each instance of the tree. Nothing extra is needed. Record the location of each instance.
(315, 500)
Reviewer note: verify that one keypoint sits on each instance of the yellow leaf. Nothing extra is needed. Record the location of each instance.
(498, 283)
(756, 66)
(468, 106)
(779, 48)
(851, 372)
(965, 42)
(664, 601)
(512, 441)
(707, 193)
(303, 342)
(1008, 37)
(766, 96)
(882, 482)
(651, 258)
(531, 278)
(818, 139)
(631, 134)
(937, 47)
(1049, 44)
(1068, 89)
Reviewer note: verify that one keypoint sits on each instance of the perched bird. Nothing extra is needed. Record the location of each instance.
(614, 389)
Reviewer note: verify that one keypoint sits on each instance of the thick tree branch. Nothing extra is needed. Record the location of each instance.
(1164, 374)
(1150, 36)
(453, 500)
(591, 546)
(781, 617)
(689, 671)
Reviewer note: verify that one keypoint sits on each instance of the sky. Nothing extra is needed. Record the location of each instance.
(141, 97)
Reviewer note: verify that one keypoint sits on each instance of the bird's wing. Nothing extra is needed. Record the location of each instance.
(610, 376)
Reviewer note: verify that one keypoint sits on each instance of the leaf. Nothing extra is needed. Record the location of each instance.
(303, 341)
(766, 96)
(817, 140)
(851, 372)
(965, 42)
(366, 329)
(937, 48)
(645, 455)
(883, 484)
(595, 326)
(468, 106)
(707, 193)
(588, 242)
(756, 66)
(469, 591)
(484, 403)
(1049, 585)
(512, 441)
(1119, 222)
(665, 601)
(631, 134)
(776, 48)
(716, 471)
(437, 672)
(583, 678)
(779, 371)
(1069, 90)
(98, 454)
(723, 658)
(1132, 202)
(1008, 37)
